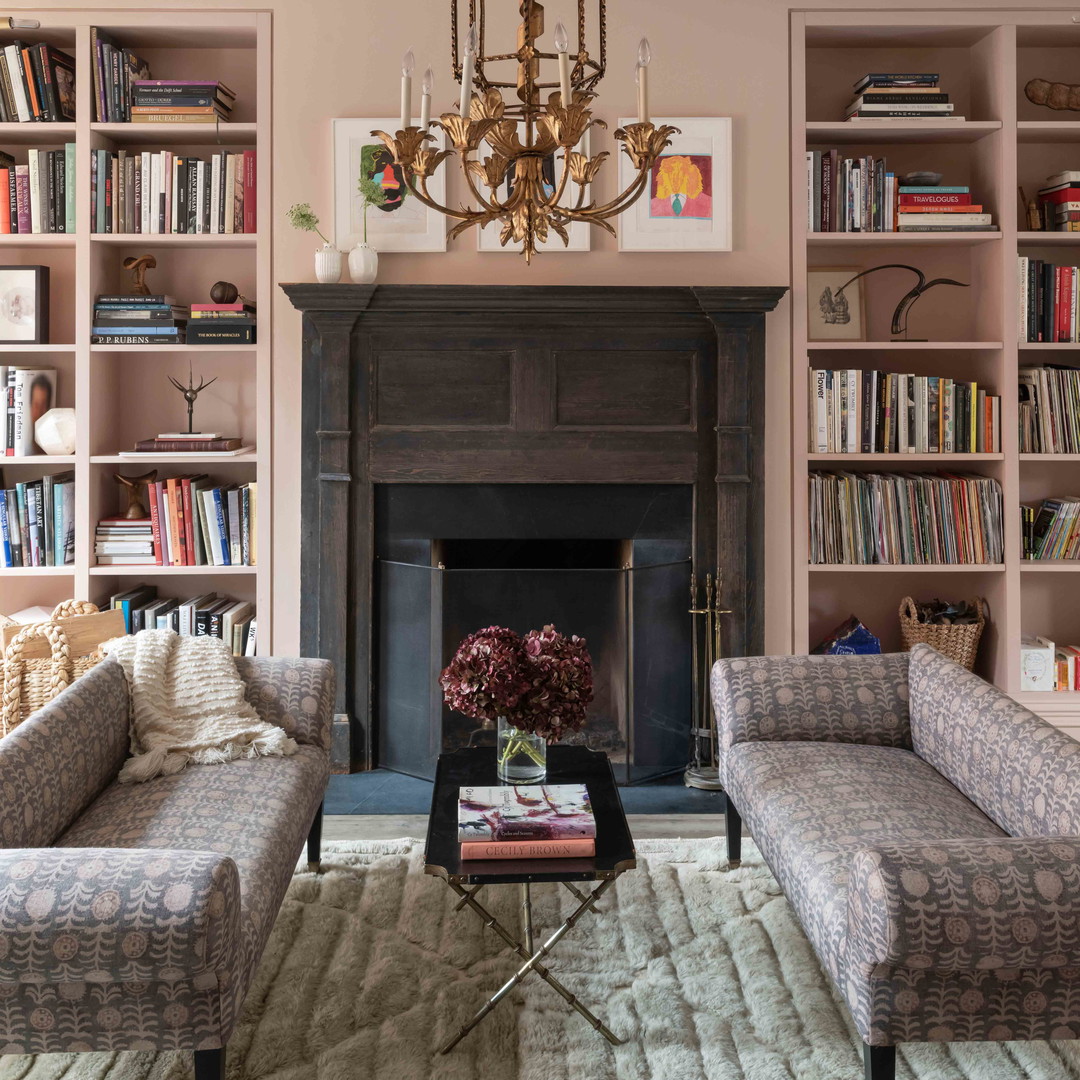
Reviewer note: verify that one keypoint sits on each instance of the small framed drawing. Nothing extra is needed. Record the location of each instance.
(832, 315)
(24, 305)
(488, 238)
(687, 204)
(401, 223)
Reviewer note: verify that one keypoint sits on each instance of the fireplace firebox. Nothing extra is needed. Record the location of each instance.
(523, 455)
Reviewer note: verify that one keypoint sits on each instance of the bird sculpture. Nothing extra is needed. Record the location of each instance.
(900, 315)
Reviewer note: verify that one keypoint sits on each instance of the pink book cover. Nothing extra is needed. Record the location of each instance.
(581, 848)
(250, 191)
(525, 812)
(22, 196)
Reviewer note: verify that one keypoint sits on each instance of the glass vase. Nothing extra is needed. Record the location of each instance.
(520, 758)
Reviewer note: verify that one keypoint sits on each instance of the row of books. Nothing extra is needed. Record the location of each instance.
(1049, 410)
(37, 83)
(28, 393)
(1046, 667)
(193, 522)
(38, 197)
(135, 319)
(879, 412)
(1051, 530)
(548, 821)
(1059, 203)
(166, 192)
(860, 194)
(209, 614)
(904, 519)
(37, 521)
(1047, 296)
(115, 69)
(899, 95)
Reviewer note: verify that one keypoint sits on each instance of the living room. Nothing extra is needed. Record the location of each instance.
(459, 613)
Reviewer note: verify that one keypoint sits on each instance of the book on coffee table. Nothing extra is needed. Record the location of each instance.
(527, 815)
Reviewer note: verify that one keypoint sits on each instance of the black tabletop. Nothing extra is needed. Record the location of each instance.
(475, 766)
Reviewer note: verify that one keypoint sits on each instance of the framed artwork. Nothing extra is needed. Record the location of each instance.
(24, 305)
(401, 223)
(831, 315)
(487, 239)
(687, 205)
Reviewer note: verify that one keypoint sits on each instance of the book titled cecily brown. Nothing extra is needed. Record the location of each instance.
(529, 849)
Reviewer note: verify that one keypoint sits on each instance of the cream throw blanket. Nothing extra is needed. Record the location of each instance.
(187, 705)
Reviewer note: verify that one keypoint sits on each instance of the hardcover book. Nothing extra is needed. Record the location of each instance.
(529, 849)
(527, 812)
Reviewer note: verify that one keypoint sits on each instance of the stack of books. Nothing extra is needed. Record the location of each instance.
(37, 522)
(1050, 410)
(940, 209)
(878, 412)
(209, 614)
(120, 541)
(133, 319)
(1059, 202)
(165, 192)
(115, 69)
(899, 96)
(171, 445)
(37, 197)
(222, 324)
(37, 82)
(1051, 530)
(180, 101)
(27, 393)
(1045, 666)
(549, 821)
(904, 519)
(1047, 296)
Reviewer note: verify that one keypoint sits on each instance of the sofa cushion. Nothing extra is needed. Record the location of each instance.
(811, 806)
(255, 810)
(1019, 770)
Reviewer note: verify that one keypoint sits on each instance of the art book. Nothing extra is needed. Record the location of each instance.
(527, 812)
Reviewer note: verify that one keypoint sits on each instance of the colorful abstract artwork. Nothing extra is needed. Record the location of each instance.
(688, 202)
(402, 222)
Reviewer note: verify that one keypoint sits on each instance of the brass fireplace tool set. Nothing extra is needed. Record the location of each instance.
(705, 611)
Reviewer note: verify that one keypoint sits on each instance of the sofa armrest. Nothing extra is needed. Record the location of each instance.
(963, 905)
(295, 693)
(118, 915)
(851, 699)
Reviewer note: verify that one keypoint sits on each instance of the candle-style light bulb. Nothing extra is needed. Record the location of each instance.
(408, 62)
(642, 78)
(426, 84)
(562, 47)
(472, 43)
(560, 39)
(644, 53)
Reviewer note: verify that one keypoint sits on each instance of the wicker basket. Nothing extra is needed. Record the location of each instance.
(959, 643)
(30, 684)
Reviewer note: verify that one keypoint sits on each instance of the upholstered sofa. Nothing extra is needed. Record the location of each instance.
(926, 830)
(133, 916)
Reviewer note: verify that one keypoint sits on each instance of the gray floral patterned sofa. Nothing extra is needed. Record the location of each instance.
(133, 916)
(926, 830)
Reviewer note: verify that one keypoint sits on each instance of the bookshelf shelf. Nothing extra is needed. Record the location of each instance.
(1050, 565)
(984, 58)
(907, 568)
(120, 392)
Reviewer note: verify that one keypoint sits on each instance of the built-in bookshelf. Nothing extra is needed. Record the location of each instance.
(121, 393)
(984, 58)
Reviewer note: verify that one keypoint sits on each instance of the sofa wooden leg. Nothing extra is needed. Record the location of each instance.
(734, 834)
(314, 841)
(210, 1064)
(880, 1062)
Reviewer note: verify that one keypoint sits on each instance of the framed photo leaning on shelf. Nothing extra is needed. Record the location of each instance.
(400, 223)
(24, 305)
(687, 205)
(830, 314)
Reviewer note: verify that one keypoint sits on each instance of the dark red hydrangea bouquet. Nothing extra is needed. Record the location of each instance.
(540, 683)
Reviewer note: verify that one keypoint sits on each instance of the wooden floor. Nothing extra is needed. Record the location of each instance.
(393, 827)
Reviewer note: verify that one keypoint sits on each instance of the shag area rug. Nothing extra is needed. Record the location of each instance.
(705, 972)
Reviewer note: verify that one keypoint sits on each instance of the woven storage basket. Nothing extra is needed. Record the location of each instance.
(959, 643)
(30, 684)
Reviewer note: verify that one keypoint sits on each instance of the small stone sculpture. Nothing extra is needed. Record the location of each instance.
(54, 431)
(1054, 95)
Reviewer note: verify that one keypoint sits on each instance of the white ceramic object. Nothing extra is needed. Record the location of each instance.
(363, 264)
(54, 431)
(327, 264)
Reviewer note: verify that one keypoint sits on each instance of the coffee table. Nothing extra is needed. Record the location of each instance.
(475, 766)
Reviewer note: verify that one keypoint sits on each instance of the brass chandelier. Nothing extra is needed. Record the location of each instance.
(513, 140)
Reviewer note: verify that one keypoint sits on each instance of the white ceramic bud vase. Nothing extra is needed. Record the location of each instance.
(363, 264)
(327, 264)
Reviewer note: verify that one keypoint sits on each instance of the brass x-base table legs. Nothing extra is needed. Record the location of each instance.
(532, 959)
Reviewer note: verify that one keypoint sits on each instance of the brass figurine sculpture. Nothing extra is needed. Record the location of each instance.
(138, 265)
(900, 315)
(134, 485)
(191, 392)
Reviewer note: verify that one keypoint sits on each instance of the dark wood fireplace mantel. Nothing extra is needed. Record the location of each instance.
(522, 384)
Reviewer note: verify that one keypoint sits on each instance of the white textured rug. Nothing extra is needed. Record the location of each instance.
(705, 972)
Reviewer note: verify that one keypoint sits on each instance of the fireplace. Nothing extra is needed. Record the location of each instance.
(522, 455)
